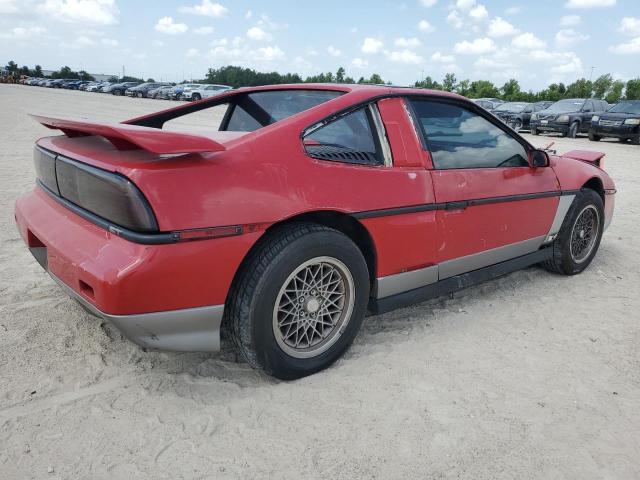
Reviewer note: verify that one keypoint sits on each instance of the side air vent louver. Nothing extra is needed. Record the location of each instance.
(336, 153)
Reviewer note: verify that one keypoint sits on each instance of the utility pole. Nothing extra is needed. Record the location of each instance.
(123, 72)
(591, 74)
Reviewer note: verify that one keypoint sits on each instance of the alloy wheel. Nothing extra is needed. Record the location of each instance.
(584, 233)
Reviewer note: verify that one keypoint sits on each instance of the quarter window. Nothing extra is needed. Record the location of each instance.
(460, 138)
(349, 139)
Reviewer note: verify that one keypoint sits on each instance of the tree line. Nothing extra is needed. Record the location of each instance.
(604, 87)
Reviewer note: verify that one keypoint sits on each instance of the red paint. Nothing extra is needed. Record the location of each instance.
(260, 178)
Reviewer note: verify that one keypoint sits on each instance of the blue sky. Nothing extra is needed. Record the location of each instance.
(536, 42)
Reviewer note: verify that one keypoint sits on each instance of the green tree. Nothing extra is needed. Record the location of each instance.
(12, 67)
(511, 91)
(340, 75)
(483, 89)
(581, 88)
(376, 79)
(463, 87)
(632, 91)
(615, 92)
(449, 82)
(602, 85)
(428, 83)
(37, 72)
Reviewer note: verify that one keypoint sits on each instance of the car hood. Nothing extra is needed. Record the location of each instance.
(618, 116)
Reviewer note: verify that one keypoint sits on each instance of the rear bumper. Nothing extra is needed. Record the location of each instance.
(186, 330)
(167, 296)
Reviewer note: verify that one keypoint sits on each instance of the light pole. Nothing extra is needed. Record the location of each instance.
(591, 74)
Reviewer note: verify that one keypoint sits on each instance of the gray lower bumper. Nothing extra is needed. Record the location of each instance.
(187, 330)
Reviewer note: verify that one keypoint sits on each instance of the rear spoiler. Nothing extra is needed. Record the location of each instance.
(128, 137)
(595, 158)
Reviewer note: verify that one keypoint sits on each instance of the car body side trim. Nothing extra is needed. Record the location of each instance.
(384, 212)
(457, 282)
(401, 282)
(186, 330)
(485, 258)
(398, 283)
(561, 212)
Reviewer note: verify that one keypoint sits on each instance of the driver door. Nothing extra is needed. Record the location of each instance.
(492, 205)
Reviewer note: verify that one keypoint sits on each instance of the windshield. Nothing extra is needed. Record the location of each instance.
(510, 107)
(259, 109)
(566, 106)
(626, 107)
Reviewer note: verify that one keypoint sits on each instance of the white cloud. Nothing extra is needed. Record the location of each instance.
(570, 20)
(569, 36)
(168, 26)
(479, 12)
(455, 20)
(513, 10)
(271, 53)
(206, 8)
(333, 51)
(440, 58)
(192, 52)
(23, 33)
(405, 56)
(87, 12)
(359, 63)
(203, 30)
(425, 26)
(371, 45)
(629, 48)
(501, 28)
(8, 7)
(590, 3)
(528, 41)
(465, 4)
(571, 66)
(158, 43)
(478, 46)
(428, 3)
(109, 42)
(630, 26)
(257, 33)
(402, 42)
(248, 15)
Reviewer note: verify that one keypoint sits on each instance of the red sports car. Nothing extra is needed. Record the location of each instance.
(306, 207)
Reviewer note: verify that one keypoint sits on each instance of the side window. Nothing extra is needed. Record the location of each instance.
(588, 106)
(460, 138)
(349, 139)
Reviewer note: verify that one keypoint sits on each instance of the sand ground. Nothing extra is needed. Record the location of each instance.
(534, 375)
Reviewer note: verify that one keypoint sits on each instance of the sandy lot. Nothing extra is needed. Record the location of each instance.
(531, 376)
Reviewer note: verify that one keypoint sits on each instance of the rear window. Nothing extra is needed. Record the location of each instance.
(259, 109)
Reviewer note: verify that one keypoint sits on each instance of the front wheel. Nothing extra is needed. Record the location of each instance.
(299, 301)
(580, 235)
(534, 131)
(594, 138)
(516, 125)
(196, 97)
(573, 130)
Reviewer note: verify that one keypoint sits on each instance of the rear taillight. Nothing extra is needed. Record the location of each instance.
(108, 195)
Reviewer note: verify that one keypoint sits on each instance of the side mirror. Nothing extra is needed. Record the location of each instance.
(539, 158)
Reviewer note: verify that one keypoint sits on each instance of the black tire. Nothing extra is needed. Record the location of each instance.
(195, 97)
(635, 141)
(573, 130)
(622, 140)
(251, 301)
(594, 138)
(534, 131)
(562, 260)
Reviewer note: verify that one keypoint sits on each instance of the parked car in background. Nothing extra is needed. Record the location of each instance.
(488, 103)
(120, 88)
(178, 90)
(142, 90)
(204, 91)
(303, 212)
(621, 121)
(161, 93)
(567, 117)
(519, 116)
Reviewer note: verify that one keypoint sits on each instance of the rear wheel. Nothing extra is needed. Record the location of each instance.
(594, 138)
(622, 140)
(196, 97)
(534, 131)
(516, 125)
(299, 301)
(580, 235)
